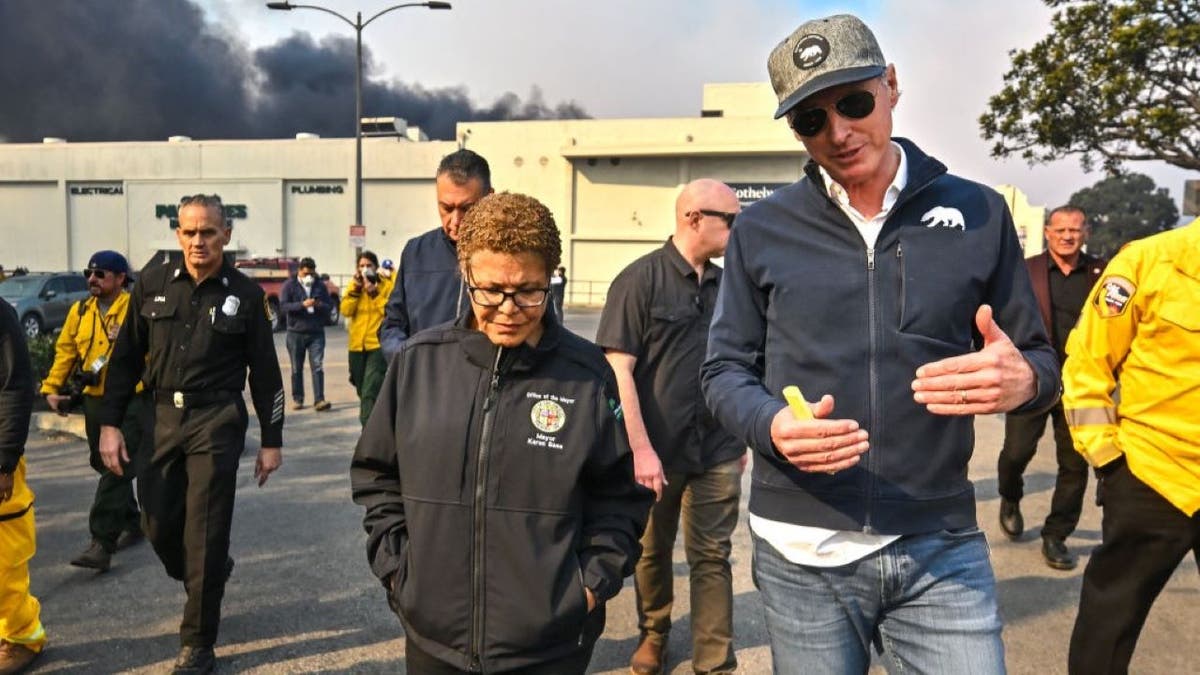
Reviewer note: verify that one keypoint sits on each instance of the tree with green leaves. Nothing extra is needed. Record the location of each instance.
(1123, 208)
(1115, 80)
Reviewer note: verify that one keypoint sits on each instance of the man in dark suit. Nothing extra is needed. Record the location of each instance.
(1062, 276)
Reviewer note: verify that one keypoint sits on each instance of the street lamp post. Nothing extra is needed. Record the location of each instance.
(358, 25)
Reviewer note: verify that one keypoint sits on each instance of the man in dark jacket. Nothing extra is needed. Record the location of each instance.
(429, 290)
(305, 303)
(1062, 277)
(884, 286)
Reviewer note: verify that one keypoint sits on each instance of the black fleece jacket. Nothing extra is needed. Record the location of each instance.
(498, 484)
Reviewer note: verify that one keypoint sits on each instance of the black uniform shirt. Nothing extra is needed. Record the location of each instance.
(1067, 295)
(658, 312)
(197, 339)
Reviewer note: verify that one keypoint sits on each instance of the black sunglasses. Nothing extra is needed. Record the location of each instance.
(99, 274)
(723, 215)
(854, 106)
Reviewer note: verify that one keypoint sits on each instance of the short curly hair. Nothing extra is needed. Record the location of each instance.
(507, 222)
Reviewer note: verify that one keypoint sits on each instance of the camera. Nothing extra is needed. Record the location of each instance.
(87, 378)
(371, 275)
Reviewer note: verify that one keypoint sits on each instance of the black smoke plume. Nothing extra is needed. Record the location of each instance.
(109, 70)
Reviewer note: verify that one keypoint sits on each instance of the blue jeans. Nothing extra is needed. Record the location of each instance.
(927, 602)
(314, 345)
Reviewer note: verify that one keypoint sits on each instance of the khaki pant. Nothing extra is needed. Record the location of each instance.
(19, 611)
(707, 506)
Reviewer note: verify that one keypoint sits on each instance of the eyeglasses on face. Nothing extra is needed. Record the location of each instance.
(99, 274)
(523, 297)
(726, 216)
(855, 106)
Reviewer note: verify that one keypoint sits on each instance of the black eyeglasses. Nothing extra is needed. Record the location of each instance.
(854, 106)
(723, 215)
(523, 298)
(99, 274)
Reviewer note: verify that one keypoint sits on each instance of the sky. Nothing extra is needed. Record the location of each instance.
(650, 58)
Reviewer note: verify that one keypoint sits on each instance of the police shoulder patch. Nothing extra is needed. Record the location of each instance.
(1114, 296)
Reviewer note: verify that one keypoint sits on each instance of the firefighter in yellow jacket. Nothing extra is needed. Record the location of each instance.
(81, 361)
(1140, 330)
(363, 305)
(21, 634)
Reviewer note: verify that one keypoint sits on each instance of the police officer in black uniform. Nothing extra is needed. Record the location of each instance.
(193, 328)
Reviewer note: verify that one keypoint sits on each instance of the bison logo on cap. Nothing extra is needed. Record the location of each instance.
(810, 52)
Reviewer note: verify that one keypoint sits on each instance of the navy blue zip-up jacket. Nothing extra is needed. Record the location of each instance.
(428, 292)
(291, 303)
(804, 302)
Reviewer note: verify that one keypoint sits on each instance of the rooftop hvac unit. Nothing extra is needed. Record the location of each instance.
(384, 126)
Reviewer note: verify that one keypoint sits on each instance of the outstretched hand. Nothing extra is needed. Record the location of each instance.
(995, 379)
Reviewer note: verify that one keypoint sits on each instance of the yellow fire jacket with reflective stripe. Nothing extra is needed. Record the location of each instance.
(365, 314)
(86, 336)
(1141, 329)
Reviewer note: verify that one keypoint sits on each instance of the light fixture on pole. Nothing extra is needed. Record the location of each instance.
(358, 25)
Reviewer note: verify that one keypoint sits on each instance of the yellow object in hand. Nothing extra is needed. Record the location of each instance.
(795, 401)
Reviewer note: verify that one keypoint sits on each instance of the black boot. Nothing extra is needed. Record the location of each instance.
(96, 557)
(1054, 550)
(194, 661)
(1010, 519)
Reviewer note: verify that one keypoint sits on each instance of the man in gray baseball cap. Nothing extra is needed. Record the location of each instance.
(893, 293)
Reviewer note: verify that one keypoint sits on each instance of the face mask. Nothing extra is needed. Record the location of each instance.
(307, 280)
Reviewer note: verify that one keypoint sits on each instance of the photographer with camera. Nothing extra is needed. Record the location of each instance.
(77, 376)
(363, 305)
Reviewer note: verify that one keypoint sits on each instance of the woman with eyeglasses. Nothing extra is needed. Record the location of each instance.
(501, 507)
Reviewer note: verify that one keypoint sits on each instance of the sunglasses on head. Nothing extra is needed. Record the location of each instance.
(855, 106)
(99, 274)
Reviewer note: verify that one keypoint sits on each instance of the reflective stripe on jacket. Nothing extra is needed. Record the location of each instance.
(1141, 329)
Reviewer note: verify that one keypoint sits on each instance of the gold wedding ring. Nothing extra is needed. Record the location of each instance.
(962, 397)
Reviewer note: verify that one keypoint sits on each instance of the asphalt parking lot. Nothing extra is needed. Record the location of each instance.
(302, 599)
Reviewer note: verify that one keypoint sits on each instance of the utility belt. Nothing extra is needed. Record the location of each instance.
(195, 399)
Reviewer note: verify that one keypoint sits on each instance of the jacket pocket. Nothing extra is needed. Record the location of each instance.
(672, 322)
(534, 599)
(158, 316)
(228, 325)
(396, 583)
(434, 594)
(939, 284)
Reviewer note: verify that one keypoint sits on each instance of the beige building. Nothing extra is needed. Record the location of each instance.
(610, 183)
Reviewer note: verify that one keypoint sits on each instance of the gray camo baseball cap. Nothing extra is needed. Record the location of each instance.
(820, 54)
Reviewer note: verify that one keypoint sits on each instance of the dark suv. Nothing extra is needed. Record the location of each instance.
(42, 300)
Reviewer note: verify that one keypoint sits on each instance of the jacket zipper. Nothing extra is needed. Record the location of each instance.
(873, 383)
(481, 462)
(900, 260)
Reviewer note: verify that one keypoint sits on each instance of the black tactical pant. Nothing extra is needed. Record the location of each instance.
(187, 489)
(114, 510)
(1021, 435)
(1145, 539)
